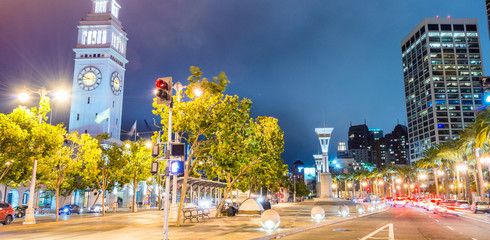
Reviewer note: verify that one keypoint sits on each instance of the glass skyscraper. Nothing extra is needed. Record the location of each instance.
(442, 63)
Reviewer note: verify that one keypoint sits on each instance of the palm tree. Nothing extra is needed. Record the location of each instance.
(480, 134)
(448, 156)
(431, 160)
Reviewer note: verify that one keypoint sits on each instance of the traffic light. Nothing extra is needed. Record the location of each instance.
(178, 149)
(368, 189)
(485, 85)
(164, 90)
(154, 167)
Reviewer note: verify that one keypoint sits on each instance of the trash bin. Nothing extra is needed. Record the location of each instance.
(266, 205)
(231, 211)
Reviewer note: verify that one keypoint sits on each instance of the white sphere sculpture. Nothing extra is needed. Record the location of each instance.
(372, 207)
(360, 209)
(343, 210)
(317, 213)
(270, 219)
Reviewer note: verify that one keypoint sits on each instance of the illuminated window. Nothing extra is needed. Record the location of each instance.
(115, 9)
(100, 7)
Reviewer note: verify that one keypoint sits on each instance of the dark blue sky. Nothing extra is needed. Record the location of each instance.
(303, 62)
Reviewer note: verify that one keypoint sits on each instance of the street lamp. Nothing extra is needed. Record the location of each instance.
(398, 180)
(29, 218)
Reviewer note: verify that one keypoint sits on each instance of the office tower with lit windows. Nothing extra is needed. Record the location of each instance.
(442, 62)
(487, 6)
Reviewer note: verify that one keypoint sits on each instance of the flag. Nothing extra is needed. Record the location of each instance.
(102, 116)
(133, 129)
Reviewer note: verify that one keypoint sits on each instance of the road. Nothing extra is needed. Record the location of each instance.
(404, 223)
(407, 223)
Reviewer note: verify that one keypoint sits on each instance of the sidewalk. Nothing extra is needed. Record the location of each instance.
(293, 217)
(149, 225)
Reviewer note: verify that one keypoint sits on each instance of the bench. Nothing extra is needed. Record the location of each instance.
(195, 213)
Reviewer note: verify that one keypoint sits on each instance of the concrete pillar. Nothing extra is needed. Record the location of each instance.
(198, 193)
(192, 193)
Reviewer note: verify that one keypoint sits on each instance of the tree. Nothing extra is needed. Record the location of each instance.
(301, 189)
(24, 137)
(254, 145)
(197, 120)
(53, 172)
(137, 160)
(106, 170)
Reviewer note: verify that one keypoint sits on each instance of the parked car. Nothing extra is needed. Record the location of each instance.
(69, 209)
(6, 213)
(479, 207)
(20, 211)
(97, 208)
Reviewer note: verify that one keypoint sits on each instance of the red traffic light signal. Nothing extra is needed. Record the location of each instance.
(368, 189)
(164, 90)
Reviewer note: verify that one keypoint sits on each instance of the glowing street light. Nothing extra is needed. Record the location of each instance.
(461, 167)
(349, 185)
(398, 180)
(148, 144)
(127, 145)
(423, 176)
(197, 92)
(24, 97)
(334, 185)
(412, 186)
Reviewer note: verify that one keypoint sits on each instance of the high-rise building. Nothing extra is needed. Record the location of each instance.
(392, 148)
(360, 143)
(487, 6)
(98, 78)
(442, 61)
(376, 133)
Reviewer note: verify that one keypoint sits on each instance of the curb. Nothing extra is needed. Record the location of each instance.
(302, 229)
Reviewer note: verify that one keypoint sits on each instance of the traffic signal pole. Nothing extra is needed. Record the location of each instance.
(167, 179)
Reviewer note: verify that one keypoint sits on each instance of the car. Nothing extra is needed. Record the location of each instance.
(399, 202)
(69, 209)
(97, 208)
(479, 207)
(432, 204)
(6, 213)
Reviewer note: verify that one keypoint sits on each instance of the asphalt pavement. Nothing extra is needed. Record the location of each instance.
(402, 223)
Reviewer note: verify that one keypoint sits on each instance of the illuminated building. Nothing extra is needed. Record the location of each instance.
(98, 78)
(442, 61)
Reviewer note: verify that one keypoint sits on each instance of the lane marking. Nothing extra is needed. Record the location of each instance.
(450, 228)
(391, 233)
(473, 239)
(437, 220)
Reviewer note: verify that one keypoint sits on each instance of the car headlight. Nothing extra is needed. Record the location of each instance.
(66, 209)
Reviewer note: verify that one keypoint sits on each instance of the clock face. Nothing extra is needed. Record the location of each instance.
(116, 83)
(89, 78)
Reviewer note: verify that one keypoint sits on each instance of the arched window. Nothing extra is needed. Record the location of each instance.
(89, 38)
(84, 37)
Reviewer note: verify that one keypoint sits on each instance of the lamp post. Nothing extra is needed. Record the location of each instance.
(23, 97)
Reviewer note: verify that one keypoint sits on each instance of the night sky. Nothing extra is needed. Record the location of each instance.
(303, 62)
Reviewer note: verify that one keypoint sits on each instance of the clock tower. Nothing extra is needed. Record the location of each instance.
(98, 77)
